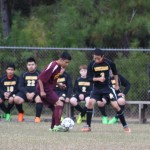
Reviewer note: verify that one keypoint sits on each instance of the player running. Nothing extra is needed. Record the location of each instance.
(98, 73)
(47, 81)
(8, 88)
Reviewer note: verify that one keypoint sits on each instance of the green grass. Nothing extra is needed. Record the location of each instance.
(31, 136)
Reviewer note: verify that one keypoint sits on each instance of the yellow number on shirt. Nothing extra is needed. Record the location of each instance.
(102, 74)
(30, 82)
(10, 88)
(83, 89)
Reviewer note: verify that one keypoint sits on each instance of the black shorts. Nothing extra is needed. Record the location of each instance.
(77, 97)
(23, 96)
(61, 94)
(108, 93)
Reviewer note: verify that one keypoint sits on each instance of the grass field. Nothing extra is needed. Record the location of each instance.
(31, 136)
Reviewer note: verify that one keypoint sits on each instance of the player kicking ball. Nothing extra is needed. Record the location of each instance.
(47, 81)
(99, 74)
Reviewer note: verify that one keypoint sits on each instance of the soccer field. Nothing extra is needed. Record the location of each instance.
(31, 136)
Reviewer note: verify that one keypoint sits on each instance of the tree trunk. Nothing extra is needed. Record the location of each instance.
(5, 15)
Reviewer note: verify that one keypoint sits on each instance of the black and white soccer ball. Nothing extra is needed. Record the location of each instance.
(67, 123)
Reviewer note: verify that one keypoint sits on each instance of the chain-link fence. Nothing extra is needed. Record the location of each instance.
(131, 63)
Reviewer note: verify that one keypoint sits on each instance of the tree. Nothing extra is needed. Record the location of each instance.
(6, 18)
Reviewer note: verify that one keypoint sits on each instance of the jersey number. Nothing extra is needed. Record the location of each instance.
(102, 74)
(30, 82)
(83, 89)
(10, 88)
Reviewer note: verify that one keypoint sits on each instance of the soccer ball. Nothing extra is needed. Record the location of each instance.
(67, 123)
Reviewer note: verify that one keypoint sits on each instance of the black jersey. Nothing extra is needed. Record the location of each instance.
(82, 86)
(28, 81)
(65, 79)
(122, 82)
(9, 85)
(99, 70)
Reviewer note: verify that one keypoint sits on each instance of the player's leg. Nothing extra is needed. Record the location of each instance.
(121, 103)
(89, 112)
(39, 106)
(120, 116)
(19, 99)
(74, 102)
(101, 106)
(2, 106)
(9, 107)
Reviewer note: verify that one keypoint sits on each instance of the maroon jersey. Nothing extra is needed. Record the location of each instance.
(49, 76)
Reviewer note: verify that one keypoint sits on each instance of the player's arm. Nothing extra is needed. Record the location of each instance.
(76, 87)
(125, 83)
(15, 87)
(42, 92)
(90, 76)
(2, 88)
(22, 87)
(115, 73)
(69, 86)
(89, 90)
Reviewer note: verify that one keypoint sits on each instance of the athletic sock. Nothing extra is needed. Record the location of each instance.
(102, 110)
(122, 119)
(39, 107)
(122, 109)
(84, 111)
(9, 107)
(57, 114)
(19, 108)
(78, 107)
(3, 107)
(89, 116)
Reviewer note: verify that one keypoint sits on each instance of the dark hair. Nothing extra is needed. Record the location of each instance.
(98, 52)
(83, 67)
(11, 65)
(65, 55)
(31, 59)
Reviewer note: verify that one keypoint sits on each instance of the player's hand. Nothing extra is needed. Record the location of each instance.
(43, 94)
(81, 97)
(116, 87)
(30, 96)
(67, 100)
(62, 86)
(6, 95)
(121, 94)
(102, 79)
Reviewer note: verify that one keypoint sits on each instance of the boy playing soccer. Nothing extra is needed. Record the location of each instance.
(8, 88)
(47, 81)
(82, 89)
(66, 81)
(99, 74)
(27, 90)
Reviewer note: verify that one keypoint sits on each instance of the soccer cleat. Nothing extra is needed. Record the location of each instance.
(61, 119)
(37, 120)
(104, 120)
(86, 129)
(84, 117)
(114, 120)
(20, 117)
(127, 130)
(8, 117)
(59, 128)
(4, 115)
(79, 120)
